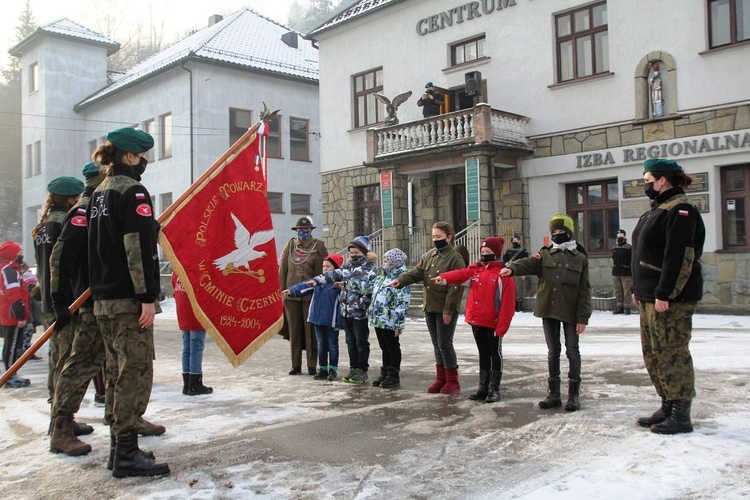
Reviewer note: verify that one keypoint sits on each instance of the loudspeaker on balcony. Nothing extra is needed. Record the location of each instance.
(473, 82)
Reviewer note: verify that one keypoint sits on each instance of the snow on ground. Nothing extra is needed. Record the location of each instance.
(264, 434)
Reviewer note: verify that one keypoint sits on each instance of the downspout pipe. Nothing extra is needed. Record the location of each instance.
(492, 192)
(192, 144)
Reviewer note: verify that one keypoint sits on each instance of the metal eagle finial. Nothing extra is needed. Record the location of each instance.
(266, 115)
(392, 106)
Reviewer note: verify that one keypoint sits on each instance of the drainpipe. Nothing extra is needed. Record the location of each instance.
(492, 192)
(192, 170)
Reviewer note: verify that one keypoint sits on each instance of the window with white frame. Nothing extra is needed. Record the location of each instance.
(33, 77)
(165, 136)
(149, 126)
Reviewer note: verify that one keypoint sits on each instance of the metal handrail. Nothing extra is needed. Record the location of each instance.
(376, 243)
(470, 238)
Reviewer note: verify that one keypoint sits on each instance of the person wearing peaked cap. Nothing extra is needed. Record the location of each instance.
(440, 304)
(563, 298)
(125, 285)
(63, 194)
(356, 276)
(300, 260)
(325, 317)
(523, 283)
(430, 101)
(489, 311)
(621, 275)
(387, 314)
(667, 286)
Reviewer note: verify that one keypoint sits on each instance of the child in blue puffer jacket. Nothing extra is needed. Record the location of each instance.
(387, 313)
(325, 317)
(357, 275)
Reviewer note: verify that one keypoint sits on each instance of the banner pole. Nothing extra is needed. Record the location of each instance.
(13, 369)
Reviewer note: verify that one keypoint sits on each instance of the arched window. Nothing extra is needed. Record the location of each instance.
(655, 86)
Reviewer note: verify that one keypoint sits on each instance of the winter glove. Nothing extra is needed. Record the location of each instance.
(61, 321)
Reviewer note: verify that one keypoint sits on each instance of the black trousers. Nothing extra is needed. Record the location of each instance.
(490, 348)
(12, 338)
(391, 347)
(552, 336)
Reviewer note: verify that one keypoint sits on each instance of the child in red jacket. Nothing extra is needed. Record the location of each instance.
(489, 310)
(14, 306)
(193, 342)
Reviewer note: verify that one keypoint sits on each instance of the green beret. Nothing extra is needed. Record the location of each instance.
(131, 140)
(65, 186)
(562, 221)
(661, 165)
(89, 170)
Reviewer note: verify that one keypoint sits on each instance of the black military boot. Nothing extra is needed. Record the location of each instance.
(112, 445)
(185, 382)
(195, 385)
(493, 396)
(553, 398)
(391, 380)
(679, 421)
(574, 388)
(627, 311)
(131, 461)
(618, 310)
(658, 416)
(484, 380)
(383, 374)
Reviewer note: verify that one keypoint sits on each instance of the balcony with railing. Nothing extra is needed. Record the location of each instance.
(478, 125)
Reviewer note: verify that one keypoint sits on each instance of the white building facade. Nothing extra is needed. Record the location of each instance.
(573, 97)
(196, 98)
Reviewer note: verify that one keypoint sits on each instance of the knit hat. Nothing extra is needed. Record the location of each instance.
(661, 165)
(395, 256)
(562, 221)
(10, 250)
(335, 259)
(65, 185)
(131, 140)
(304, 223)
(622, 232)
(494, 243)
(361, 242)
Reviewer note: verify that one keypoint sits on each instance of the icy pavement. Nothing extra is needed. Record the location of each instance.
(264, 434)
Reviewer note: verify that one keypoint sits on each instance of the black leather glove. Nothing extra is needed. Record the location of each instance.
(61, 321)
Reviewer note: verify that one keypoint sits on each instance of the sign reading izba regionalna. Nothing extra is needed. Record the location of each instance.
(464, 12)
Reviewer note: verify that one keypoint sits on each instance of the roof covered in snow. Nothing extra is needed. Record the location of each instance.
(244, 39)
(359, 9)
(67, 28)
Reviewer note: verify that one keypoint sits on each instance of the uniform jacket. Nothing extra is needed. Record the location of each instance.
(47, 234)
(513, 254)
(667, 247)
(389, 305)
(492, 298)
(441, 299)
(69, 260)
(431, 107)
(357, 293)
(14, 297)
(564, 290)
(186, 319)
(621, 257)
(301, 261)
(324, 306)
(123, 260)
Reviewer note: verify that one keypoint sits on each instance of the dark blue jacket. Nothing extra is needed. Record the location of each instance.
(324, 309)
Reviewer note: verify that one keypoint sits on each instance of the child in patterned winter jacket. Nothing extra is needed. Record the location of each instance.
(387, 313)
(325, 318)
(357, 275)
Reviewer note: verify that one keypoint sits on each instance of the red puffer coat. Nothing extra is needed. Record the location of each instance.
(14, 296)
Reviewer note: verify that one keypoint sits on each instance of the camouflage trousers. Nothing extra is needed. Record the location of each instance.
(665, 341)
(85, 361)
(623, 284)
(59, 350)
(129, 369)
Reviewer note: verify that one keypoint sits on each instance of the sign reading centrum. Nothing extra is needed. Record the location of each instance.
(465, 12)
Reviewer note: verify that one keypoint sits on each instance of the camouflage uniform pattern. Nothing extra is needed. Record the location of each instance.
(623, 285)
(85, 360)
(60, 345)
(665, 341)
(130, 355)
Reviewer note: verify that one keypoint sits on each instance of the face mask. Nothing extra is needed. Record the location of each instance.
(620, 241)
(141, 167)
(387, 267)
(440, 243)
(560, 238)
(516, 244)
(488, 257)
(303, 234)
(648, 188)
(19, 259)
(357, 259)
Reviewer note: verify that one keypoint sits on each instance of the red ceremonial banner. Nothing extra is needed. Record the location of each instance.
(221, 244)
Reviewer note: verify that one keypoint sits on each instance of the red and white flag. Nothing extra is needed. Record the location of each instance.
(219, 238)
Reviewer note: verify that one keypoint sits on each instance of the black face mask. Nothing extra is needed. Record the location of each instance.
(488, 257)
(19, 259)
(440, 243)
(516, 244)
(141, 167)
(648, 188)
(620, 241)
(358, 259)
(560, 238)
